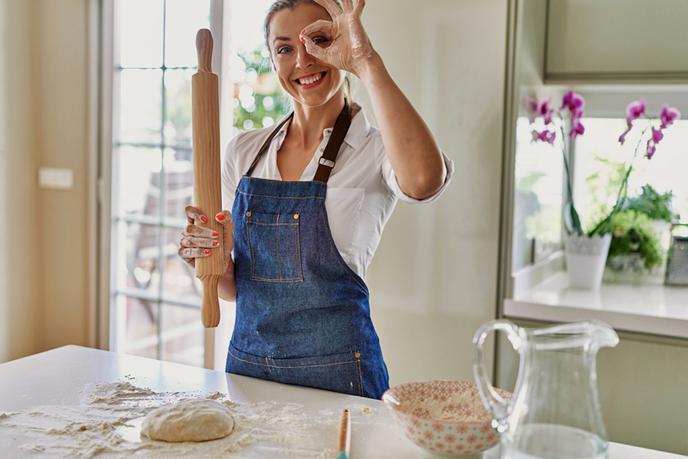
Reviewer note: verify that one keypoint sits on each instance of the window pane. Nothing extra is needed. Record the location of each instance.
(138, 265)
(538, 197)
(599, 155)
(140, 32)
(140, 106)
(178, 183)
(135, 181)
(137, 326)
(182, 335)
(180, 281)
(184, 18)
(178, 106)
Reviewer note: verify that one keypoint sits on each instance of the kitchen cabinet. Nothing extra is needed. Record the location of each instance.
(620, 40)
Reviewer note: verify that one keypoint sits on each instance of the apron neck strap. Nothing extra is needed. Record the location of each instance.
(327, 160)
(329, 157)
(267, 142)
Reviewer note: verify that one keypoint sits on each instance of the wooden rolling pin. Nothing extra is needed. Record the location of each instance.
(206, 164)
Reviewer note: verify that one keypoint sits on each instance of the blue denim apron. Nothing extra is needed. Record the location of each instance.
(302, 315)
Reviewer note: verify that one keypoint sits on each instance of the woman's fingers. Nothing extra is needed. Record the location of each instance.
(320, 26)
(348, 5)
(200, 231)
(194, 215)
(191, 253)
(313, 49)
(203, 242)
(331, 7)
(359, 7)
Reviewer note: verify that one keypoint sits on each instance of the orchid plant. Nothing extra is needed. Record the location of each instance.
(565, 121)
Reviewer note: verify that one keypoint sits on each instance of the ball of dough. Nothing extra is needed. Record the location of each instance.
(189, 420)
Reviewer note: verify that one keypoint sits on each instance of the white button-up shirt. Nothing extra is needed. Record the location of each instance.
(362, 190)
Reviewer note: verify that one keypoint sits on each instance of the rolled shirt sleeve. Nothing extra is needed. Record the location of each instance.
(390, 180)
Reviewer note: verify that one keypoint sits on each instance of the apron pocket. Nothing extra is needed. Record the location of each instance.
(335, 372)
(339, 372)
(275, 247)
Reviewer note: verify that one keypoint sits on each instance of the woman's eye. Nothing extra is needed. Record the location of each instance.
(320, 40)
(283, 50)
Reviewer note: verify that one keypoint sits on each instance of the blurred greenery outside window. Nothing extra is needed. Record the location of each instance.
(258, 100)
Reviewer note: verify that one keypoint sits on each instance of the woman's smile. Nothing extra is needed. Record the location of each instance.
(312, 80)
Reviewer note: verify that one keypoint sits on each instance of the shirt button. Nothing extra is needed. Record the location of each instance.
(296, 216)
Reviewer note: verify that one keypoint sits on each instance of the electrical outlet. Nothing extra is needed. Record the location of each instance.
(55, 179)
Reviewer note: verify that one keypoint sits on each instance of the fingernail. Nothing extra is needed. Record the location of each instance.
(204, 219)
(302, 40)
(215, 234)
(207, 251)
(220, 217)
(216, 244)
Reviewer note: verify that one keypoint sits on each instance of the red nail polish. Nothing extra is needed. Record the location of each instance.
(207, 251)
(220, 217)
(215, 233)
(204, 219)
(216, 244)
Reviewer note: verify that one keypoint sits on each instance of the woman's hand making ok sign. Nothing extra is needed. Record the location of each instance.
(347, 45)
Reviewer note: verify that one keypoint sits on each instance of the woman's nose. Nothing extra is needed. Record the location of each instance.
(303, 59)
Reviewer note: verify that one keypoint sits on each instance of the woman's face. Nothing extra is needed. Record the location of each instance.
(307, 80)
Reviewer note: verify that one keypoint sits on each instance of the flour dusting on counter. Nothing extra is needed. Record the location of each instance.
(108, 418)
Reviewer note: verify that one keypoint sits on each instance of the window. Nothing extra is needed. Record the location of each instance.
(154, 296)
(598, 154)
(538, 198)
(598, 161)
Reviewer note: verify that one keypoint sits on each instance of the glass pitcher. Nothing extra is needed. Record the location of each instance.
(554, 412)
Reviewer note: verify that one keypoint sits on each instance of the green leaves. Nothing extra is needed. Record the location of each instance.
(653, 204)
(633, 233)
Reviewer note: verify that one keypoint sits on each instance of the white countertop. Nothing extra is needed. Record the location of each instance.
(56, 377)
(652, 309)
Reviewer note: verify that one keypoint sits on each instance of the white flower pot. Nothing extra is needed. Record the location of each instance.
(585, 260)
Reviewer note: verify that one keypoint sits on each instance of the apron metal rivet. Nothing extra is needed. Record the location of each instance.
(357, 355)
(296, 216)
(248, 213)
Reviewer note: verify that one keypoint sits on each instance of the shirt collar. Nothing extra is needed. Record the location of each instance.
(355, 137)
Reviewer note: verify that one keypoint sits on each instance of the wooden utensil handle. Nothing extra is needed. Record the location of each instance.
(206, 164)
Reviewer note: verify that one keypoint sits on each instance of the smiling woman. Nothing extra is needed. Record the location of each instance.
(302, 304)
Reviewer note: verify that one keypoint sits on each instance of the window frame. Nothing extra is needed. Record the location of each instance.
(105, 70)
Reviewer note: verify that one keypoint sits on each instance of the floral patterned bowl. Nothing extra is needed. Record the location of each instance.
(444, 418)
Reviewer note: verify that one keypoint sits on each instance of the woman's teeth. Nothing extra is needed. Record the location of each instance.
(311, 79)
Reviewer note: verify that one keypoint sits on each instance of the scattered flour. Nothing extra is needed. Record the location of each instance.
(108, 419)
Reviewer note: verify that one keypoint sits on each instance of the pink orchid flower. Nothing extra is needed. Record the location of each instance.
(577, 128)
(669, 115)
(657, 135)
(635, 110)
(542, 108)
(650, 149)
(574, 102)
(544, 136)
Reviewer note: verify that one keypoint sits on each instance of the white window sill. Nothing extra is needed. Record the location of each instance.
(652, 309)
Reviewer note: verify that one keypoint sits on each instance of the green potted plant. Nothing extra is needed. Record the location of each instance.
(640, 238)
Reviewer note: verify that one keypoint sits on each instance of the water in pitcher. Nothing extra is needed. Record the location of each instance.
(551, 441)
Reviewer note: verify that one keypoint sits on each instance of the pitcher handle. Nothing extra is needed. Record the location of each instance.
(498, 406)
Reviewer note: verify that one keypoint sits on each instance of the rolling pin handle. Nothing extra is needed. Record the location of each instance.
(204, 47)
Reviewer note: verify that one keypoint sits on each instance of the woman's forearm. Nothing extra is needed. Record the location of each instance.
(226, 287)
(409, 143)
